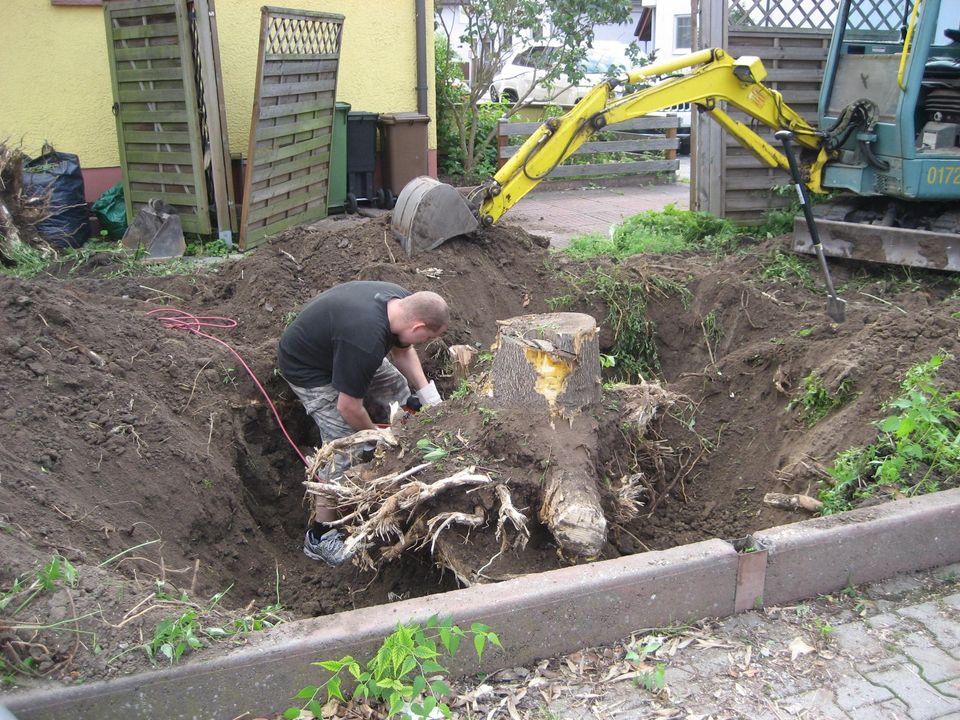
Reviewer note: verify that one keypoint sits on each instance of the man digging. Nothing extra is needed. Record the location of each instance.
(354, 344)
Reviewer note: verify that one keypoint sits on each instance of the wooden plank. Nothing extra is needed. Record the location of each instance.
(648, 122)
(288, 186)
(130, 32)
(608, 146)
(302, 162)
(154, 116)
(145, 9)
(293, 65)
(166, 158)
(178, 200)
(298, 88)
(149, 74)
(168, 137)
(289, 109)
(288, 151)
(780, 53)
(293, 127)
(153, 95)
(309, 215)
(280, 57)
(625, 168)
(170, 177)
(154, 52)
(314, 194)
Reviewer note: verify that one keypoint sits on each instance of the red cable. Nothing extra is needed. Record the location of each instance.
(192, 323)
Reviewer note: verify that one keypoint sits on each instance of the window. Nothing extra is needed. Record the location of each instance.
(681, 33)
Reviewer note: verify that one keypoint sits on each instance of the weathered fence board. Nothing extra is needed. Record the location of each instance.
(288, 163)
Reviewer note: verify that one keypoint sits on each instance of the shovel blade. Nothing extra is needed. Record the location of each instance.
(156, 232)
(836, 309)
(428, 213)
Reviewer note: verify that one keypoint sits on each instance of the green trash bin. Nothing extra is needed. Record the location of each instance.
(337, 195)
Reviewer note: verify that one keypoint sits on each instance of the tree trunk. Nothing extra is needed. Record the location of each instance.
(550, 365)
(549, 362)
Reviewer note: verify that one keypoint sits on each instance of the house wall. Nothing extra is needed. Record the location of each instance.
(55, 82)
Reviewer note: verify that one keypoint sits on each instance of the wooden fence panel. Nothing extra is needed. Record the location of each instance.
(631, 137)
(288, 162)
(155, 103)
(791, 37)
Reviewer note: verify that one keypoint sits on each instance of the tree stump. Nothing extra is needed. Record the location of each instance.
(549, 365)
(549, 362)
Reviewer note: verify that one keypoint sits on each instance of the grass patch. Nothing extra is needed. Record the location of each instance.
(664, 232)
(919, 442)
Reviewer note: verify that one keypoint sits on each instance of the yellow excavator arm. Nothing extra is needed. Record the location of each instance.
(713, 77)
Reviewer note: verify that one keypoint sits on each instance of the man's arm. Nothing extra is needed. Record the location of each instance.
(407, 362)
(353, 411)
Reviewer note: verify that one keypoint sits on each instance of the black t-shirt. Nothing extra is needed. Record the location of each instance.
(340, 337)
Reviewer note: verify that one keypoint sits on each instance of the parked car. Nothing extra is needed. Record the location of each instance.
(682, 111)
(525, 70)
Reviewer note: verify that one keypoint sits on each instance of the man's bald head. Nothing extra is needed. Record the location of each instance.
(426, 307)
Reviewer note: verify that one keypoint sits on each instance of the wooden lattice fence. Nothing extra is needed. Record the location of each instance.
(791, 37)
(288, 163)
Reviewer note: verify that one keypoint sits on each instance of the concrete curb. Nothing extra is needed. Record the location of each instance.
(542, 615)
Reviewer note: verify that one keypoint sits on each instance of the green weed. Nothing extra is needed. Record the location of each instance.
(405, 671)
(22, 260)
(214, 248)
(461, 392)
(431, 451)
(49, 577)
(634, 350)
(825, 629)
(918, 442)
(174, 636)
(789, 268)
(662, 232)
(487, 415)
(815, 402)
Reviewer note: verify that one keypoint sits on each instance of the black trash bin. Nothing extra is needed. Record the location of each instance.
(361, 158)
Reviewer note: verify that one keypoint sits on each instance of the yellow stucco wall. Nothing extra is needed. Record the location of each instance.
(55, 81)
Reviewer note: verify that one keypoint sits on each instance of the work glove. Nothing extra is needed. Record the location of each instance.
(428, 394)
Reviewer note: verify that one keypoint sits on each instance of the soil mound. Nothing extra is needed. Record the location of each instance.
(148, 459)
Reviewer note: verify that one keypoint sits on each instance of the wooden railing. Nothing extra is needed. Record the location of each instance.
(632, 137)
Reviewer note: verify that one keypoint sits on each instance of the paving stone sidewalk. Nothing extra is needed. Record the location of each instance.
(886, 651)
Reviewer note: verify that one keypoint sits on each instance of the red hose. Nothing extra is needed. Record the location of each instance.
(175, 319)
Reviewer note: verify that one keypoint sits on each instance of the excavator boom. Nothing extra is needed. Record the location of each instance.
(428, 213)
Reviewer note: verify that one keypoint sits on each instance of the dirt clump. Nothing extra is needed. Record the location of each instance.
(147, 458)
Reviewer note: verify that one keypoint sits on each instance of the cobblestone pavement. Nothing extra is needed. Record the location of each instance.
(890, 651)
(562, 214)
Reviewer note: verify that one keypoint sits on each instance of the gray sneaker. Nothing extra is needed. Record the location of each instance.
(329, 547)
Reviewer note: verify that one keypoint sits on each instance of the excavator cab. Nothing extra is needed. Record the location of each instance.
(890, 106)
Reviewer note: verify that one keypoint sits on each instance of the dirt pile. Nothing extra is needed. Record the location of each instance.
(147, 458)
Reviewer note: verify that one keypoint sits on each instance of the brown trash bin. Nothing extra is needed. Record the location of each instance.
(404, 143)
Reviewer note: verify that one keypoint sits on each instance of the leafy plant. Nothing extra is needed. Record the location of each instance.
(487, 415)
(650, 680)
(199, 248)
(174, 636)
(919, 442)
(405, 674)
(461, 392)
(815, 401)
(431, 451)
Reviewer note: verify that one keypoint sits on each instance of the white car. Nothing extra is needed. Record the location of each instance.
(525, 70)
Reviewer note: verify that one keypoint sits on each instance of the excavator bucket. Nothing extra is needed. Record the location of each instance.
(428, 213)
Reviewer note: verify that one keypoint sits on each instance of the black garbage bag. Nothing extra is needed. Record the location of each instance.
(55, 177)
